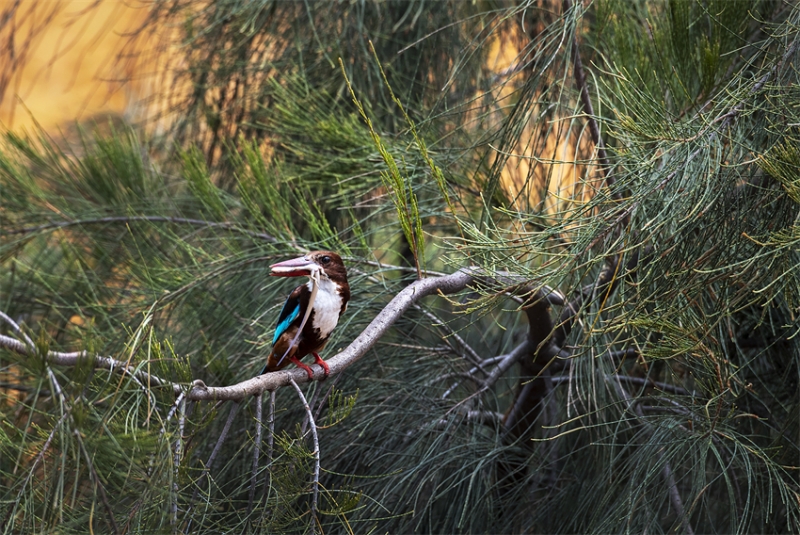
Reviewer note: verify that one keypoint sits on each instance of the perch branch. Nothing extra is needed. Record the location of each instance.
(352, 353)
(198, 391)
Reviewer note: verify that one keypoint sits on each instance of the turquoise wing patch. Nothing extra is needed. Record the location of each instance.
(289, 313)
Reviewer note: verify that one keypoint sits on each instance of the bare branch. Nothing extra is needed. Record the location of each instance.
(488, 418)
(73, 358)
(369, 336)
(508, 360)
(469, 353)
(313, 426)
(641, 381)
(17, 330)
(470, 374)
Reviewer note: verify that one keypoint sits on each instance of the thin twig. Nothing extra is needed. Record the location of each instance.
(464, 375)
(271, 439)
(510, 359)
(666, 470)
(131, 219)
(488, 418)
(323, 401)
(256, 452)
(270, 446)
(313, 425)
(470, 373)
(641, 381)
(176, 461)
(594, 129)
(469, 353)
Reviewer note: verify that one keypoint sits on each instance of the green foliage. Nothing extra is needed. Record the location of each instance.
(670, 401)
(401, 192)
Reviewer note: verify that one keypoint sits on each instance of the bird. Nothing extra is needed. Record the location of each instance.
(300, 331)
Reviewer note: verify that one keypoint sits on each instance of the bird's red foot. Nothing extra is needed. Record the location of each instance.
(318, 360)
(307, 368)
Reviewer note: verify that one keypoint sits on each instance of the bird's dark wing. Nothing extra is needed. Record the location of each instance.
(289, 313)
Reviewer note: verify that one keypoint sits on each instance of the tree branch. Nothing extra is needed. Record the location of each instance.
(198, 391)
(351, 354)
(73, 358)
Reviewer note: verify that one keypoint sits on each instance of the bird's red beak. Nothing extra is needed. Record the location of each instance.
(297, 267)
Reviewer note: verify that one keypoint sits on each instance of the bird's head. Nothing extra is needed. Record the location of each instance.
(326, 263)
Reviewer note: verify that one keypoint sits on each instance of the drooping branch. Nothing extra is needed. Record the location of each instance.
(313, 426)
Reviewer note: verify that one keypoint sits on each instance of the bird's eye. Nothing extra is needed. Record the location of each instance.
(325, 260)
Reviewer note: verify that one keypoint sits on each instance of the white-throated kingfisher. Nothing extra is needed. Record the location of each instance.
(290, 343)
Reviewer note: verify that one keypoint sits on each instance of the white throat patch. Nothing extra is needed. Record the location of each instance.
(327, 306)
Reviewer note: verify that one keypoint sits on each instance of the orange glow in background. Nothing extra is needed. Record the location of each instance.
(71, 60)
